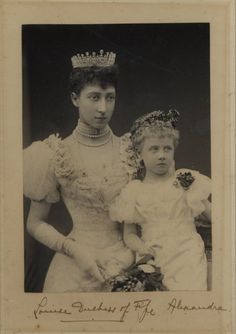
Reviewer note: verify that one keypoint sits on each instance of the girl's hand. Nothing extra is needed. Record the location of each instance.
(144, 250)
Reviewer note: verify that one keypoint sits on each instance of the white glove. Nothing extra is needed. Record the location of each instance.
(51, 238)
(82, 258)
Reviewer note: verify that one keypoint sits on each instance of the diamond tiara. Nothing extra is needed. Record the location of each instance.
(86, 60)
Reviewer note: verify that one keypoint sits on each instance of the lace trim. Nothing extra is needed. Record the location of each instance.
(77, 184)
(129, 156)
(62, 162)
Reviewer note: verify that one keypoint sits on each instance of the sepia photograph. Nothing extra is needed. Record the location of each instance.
(117, 160)
(118, 167)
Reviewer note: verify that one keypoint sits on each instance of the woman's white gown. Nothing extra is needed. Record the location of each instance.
(66, 169)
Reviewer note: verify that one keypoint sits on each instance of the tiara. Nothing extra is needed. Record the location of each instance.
(161, 118)
(87, 60)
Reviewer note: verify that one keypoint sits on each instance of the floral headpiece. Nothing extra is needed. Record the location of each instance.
(165, 119)
(156, 119)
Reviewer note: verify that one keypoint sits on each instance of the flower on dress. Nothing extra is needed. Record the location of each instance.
(185, 179)
(62, 160)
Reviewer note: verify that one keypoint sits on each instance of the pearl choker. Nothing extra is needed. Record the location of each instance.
(84, 134)
(92, 137)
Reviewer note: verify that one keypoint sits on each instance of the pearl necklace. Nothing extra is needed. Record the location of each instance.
(93, 136)
(93, 144)
(81, 136)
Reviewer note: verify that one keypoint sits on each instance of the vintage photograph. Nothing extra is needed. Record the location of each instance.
(118, 167)
(117, 157)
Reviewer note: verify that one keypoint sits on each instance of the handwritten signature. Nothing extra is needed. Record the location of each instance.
(79, 311)
(177, 305)
(141, 307)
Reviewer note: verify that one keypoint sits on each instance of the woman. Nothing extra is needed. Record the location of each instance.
(87, 170)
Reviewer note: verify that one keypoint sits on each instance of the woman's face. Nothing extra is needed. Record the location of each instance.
(96, 105)
(158, 154)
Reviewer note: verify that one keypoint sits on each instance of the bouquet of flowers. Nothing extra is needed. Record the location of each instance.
(141, 276)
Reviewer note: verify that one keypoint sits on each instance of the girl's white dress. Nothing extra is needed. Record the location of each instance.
(165, 212)
(66, 169)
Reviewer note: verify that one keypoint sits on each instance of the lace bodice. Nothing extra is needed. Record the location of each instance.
(56, 168)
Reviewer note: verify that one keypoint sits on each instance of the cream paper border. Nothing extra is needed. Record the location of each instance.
(16, 306)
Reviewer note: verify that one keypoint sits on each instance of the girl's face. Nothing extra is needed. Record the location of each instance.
(96, 105)
(158, 154)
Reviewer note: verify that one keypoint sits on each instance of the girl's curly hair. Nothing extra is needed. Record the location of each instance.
(157, 123)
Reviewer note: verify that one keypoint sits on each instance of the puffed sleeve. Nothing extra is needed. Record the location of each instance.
(39, 180)
(199, 191)
(123, 208)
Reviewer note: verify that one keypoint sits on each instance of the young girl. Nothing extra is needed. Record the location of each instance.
(164, 205)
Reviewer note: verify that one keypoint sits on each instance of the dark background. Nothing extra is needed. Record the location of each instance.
(159, 65)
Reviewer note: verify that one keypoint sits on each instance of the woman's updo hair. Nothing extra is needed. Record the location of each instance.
(103, 76)
(155, 124)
